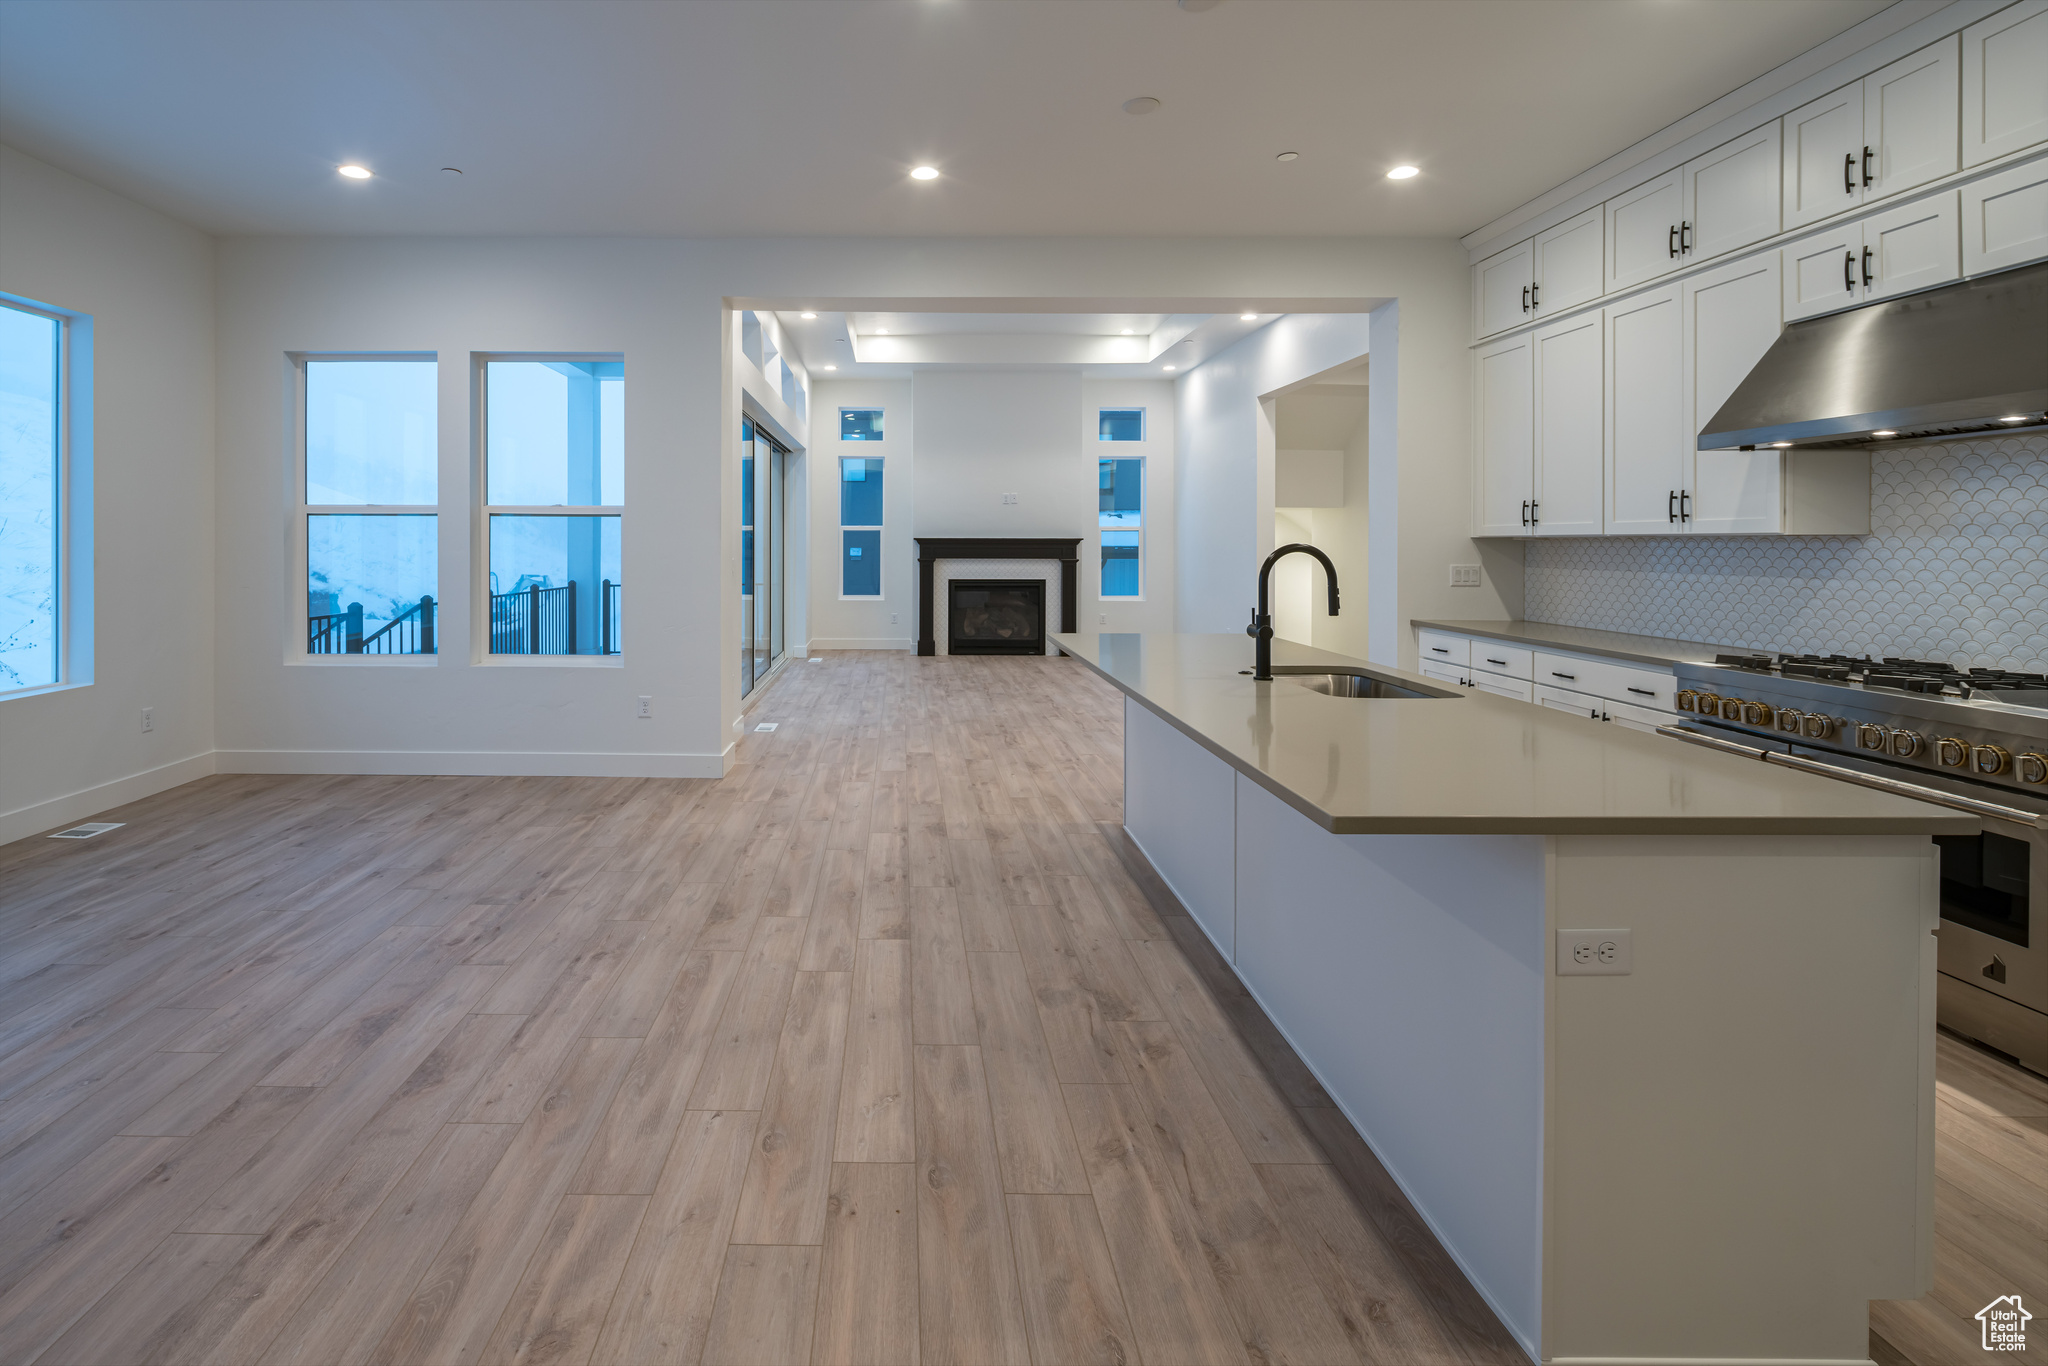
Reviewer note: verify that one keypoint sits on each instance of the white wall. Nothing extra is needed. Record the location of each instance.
(839, 623)
(147, 282)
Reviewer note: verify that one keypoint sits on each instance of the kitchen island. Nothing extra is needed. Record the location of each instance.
(1644, 1030)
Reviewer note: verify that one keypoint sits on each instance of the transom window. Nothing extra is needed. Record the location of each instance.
(860, 424)
(369, 505)
(1120, 424)
(554, 481)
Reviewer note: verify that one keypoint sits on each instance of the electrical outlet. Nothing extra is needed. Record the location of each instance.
(1102, 618)
(892, 618)
(148, 719)
(1464, 576)
(1009, 498)
(645, 709)
(1594, 953)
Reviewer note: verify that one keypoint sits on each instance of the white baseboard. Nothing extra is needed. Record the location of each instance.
(865, 643)
(473, 763)
(76, 806)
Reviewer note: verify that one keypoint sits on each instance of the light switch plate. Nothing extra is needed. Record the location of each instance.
(1594, 953)
(1465, 576)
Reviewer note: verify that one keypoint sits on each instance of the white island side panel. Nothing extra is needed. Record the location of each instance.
(1408, 971)
(1180, 807)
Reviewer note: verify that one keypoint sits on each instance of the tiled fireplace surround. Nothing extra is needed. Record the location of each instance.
(1955, 569)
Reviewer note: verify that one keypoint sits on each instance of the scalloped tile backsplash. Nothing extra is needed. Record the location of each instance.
(1955, 569)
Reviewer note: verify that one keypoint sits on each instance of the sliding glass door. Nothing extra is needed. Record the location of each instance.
(763, 465)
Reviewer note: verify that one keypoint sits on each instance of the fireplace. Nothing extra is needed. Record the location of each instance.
(995, 617)
(1065, 550)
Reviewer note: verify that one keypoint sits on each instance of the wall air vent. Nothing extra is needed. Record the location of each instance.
(88, 830)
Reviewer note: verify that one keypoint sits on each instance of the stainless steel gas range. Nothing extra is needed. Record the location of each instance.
(1976, 740)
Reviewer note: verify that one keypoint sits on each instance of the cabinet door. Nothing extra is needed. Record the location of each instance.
(1642, 230)
(1442, 673)
(1568, 446)
(1564, 699)
(2005, 217)
(1568, 263)
(1500, 291)
(1823, 166)
(2005, 95)
(1733, 192)
(1519, 689)
(1646, 427)
(1506, 481)
(1909, 120)
(1732, 315)
(1915, 246)
(1823, 272)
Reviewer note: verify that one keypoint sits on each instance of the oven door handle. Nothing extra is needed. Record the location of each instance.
(1870, 780)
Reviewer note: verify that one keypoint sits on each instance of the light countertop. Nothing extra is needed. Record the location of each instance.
(1472, 763)
(1654, 650)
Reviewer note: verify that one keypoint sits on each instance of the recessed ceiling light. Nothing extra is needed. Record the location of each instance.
(924, 173)
(2016, 417)
(1127, 331)
(1247, 317)
(354, 172)
(1143, 104)
(831, 367)
(1884, 433)
(1287, 156)
(1166, 367)
(1404, 173)
(1780, 445)
(807, 315)
(881, 331)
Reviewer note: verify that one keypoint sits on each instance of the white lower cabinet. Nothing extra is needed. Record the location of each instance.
(1564, 699)
(1633, 695)
(1443, 673)
(1521, 689)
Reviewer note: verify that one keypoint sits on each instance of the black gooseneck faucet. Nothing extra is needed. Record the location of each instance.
(1261, 629)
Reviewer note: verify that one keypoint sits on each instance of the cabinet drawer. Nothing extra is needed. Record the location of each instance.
(1434, 647)
(1490, 656)
(1520, 689)
(1636, 718)
(1564, 699)
(1606, 679)
(1443, 673)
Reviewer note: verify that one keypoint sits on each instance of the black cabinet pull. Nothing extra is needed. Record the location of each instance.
(1555, 674)
(1536, 296)
(1674, 239)
(1867, 177)
(1867, 281)
(1533, 518)
(1684, 506)
(1671, 507)
(1438, 650)
(1685, 237)
(1525, 512)
(1849, 174)
(1647, 692)
(1502, 662)
(1525, 298)
(1849, 272)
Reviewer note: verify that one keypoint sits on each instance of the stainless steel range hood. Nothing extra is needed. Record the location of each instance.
(1965, 358)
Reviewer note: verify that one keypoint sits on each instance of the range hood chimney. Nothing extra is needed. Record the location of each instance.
(1965, 358)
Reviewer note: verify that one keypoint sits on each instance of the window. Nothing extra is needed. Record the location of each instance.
(1121, 516)
(1120, 424)
(370, 503)
(31, 497)
(554, 493)
(860, 521)
(860, 424)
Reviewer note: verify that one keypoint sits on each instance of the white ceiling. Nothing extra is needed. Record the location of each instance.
(792, 117)
(881, 344)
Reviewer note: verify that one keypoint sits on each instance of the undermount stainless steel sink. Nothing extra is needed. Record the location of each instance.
(1352, 683)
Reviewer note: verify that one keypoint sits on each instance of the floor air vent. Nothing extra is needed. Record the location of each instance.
(88, 830)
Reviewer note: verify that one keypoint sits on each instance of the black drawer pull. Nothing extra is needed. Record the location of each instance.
(1438, 649)
(1647, 692)
(1502, 662)
(1555, 674)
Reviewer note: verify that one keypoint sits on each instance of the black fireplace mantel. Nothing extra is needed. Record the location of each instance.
(931, 549)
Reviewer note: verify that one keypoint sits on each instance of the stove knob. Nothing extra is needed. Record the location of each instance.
(1757, 714)
(1905, 744)
(1950, 752)
(1790, 721)
(2030, 767)
(1706, 704)
(1990, 760)
(1731, 709)
(1683, 701)
(1817, 726)
(1872, 736)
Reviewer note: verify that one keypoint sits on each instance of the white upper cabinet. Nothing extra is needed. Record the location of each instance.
(1642, 231)
(1567, 264)
(1910, 112)
(1502, 406)
(1569, 451)
(1915, 246)
(2005, 218)
(1647, 442)
(1821, 272)
(1823, 147)
(1500, 290)
(1732, 315)
(1732, 196)
(2005, 90)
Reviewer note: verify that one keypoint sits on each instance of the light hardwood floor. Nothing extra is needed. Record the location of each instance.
(885, 1048)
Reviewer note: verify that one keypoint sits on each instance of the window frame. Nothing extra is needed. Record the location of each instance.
(880, 528)
(1144, 494)
(482, 511)
(846, 408)
(298, 610)
(71, 529)
(1144, 421)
